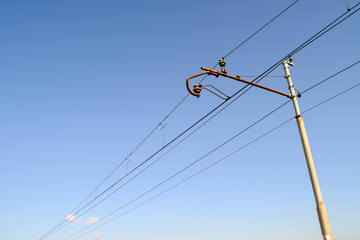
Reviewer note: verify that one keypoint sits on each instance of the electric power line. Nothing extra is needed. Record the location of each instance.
(352, 65)
(260, 29)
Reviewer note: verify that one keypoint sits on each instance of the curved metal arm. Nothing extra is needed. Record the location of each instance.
(188, 86)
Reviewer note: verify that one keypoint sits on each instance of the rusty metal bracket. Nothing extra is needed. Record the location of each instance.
(197, 87)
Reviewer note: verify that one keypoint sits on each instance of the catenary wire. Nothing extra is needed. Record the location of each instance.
(312, 39)
(260, 29)
(323, 31)
(352, 65)
(209, 166)
(122, 162)
(327, 28)
(331, 98)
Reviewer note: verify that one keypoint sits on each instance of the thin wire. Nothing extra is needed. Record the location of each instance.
(313, 38)
(309, 41)
(211, 165)
(326, 29)
(258, 76)
(330, 77)
(331, 98)
(261, 29)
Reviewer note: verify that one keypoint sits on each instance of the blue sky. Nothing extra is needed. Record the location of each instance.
(84, 82)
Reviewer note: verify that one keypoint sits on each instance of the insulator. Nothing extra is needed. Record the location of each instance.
(197, 88)
(222, 64)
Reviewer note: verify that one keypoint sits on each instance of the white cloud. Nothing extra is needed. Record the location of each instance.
(98, 235)
(12, 217)
(92, 220)
(78, 220)
(70, 217)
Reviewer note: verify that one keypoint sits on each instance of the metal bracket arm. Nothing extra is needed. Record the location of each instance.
(237, 78)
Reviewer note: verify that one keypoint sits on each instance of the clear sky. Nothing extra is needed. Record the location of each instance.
(84, 82)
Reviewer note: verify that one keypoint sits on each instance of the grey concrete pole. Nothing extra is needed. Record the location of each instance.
(320, 207)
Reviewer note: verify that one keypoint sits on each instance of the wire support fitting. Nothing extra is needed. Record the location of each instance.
(222, 64)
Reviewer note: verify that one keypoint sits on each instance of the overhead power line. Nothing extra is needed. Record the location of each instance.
(321, 82)
(211, 165)
(260, 29)
(269, 70)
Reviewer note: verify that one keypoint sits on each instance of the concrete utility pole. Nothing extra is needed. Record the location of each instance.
(320, 207)
(321, 210)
